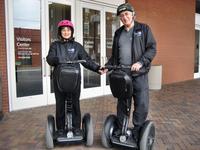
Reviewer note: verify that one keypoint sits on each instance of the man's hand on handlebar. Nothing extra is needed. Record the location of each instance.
(136, 66)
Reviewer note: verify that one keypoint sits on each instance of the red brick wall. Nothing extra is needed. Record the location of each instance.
(173, 25)
(3, 60)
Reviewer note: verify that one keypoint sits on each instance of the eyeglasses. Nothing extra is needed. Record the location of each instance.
(125, 13)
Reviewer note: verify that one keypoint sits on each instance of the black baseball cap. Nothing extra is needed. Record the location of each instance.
(124, 7)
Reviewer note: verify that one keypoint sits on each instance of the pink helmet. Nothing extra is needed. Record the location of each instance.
(65, 23)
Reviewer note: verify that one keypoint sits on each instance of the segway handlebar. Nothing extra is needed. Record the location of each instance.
(114, 67)
(73, 62)
(126, 67)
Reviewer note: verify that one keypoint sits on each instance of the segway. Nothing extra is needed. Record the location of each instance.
(113, 135)
(67, 82)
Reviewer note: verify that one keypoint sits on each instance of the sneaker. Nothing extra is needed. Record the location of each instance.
(117, 132)
(61, 131)
(77, 131)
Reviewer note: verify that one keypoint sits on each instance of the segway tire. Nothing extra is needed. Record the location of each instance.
(107, 131)
(88, 129)
(147, 136)
(50, 130)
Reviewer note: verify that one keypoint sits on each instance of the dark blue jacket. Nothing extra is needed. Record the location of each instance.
(60, 52)
(143, 47)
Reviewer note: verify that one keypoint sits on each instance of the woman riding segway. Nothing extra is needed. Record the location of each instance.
(61, 51)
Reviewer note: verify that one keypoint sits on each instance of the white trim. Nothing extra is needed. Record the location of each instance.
(107, 3)
(9, 46)
(197, 27)
(50, 97)
(197, 19)
(44, 42)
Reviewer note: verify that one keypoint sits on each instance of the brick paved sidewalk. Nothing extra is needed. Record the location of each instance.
(175, 111)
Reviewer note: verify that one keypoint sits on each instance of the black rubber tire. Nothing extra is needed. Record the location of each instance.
(87, 127)
(147, 136)
(50, 131)
(109, 126)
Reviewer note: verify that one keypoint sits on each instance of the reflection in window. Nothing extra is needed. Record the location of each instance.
(57, 12)
(27, 37)
(91, 43)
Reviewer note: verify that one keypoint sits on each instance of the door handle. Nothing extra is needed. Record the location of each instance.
(44, 67)
(102, 61)
(106, 59)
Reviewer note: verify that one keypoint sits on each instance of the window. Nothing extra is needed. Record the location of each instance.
(27, 37)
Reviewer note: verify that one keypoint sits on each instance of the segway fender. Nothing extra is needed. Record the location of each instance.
(147, 136)
(88, 129)
(107, 131)
(50, 130)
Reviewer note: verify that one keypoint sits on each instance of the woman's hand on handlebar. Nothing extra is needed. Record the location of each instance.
(105, 70)
(102, 70)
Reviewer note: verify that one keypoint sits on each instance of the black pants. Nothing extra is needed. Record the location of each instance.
(60, 107)
(141, 102)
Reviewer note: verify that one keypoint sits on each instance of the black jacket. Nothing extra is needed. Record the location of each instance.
(60, 52)
(143, 47)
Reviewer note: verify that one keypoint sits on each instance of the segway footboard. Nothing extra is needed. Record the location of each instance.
(129, 142)
(64, 139)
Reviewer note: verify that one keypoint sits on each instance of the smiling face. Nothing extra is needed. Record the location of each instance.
(66, 32)
(127, 18)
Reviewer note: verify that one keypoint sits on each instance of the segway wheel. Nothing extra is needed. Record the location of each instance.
(87, 127)
(50, 130)
(147, 136)
(107, 131)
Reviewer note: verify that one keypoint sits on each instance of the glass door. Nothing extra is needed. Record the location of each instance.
(26, 71)
(91, 29)
(197, 55)
(92, 44)
(29, 33)
(98, 26)
(197, 43)
(112, 24)
(57, 10)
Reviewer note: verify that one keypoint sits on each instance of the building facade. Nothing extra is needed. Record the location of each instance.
(29, 26)
(173, 24)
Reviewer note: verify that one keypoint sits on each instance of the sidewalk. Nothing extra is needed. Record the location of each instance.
(175, 111)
